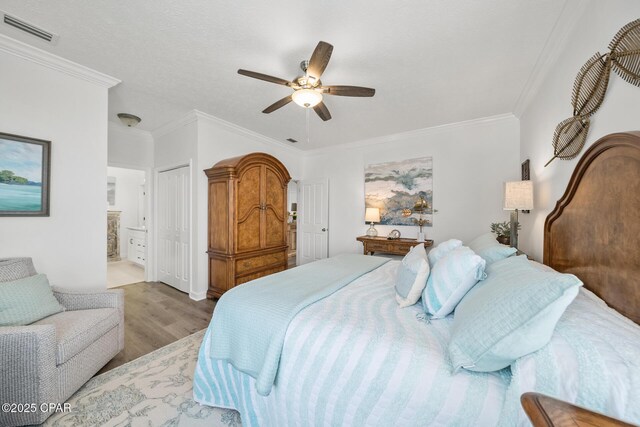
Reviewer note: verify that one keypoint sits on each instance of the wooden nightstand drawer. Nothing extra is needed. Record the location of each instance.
(377, 246)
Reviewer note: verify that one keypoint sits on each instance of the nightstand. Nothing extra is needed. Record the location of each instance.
(389, 246)
(545, 411)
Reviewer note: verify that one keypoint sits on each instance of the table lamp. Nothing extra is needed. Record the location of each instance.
(518, 195)
(372, 215)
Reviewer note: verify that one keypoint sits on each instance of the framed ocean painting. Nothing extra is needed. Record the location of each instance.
(24, 176)
(396, 186)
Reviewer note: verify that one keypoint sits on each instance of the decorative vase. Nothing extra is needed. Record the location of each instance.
(420, 237)
(505, 240)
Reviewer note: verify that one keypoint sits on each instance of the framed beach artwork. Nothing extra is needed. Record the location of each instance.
(396, 186)
(24, 176)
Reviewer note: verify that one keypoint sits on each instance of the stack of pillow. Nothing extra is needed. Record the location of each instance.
(505, 306)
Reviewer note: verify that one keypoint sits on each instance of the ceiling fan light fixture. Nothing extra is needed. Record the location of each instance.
(307, 98)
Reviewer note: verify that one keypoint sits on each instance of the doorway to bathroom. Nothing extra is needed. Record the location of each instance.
(126, 226)
(292, 226)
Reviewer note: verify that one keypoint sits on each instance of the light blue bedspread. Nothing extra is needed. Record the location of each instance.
(250, 321)
(356, 359)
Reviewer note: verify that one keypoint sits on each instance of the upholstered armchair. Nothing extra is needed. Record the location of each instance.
(48, 360)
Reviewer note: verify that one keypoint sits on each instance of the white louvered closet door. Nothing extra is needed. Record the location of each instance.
(174, 225)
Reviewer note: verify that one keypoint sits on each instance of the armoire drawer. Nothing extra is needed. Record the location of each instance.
(247, 264)
(259, 274)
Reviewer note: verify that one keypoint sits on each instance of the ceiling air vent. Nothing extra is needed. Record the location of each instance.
(292, 140)
(29, 28)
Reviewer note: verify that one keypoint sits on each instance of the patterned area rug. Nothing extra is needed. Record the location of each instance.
(153, 390)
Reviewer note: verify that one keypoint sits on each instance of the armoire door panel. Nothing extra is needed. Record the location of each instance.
(275, 190)
(248, 231)
(248, 196)
(219, 216)
(275, 235)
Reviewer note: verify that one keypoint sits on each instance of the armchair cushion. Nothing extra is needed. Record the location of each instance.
(15, 268)
(85, 300)
(73, 299)
(26, 300)
(76, 330)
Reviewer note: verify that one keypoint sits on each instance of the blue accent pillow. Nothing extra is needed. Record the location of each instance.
(411, 277)
(451, 278)
(442, 249)
(510, 314)
(27, 300)
(490, 249)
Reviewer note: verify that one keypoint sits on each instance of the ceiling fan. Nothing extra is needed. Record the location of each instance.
(308, 89)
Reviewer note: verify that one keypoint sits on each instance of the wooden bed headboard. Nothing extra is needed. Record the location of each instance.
(594, 230)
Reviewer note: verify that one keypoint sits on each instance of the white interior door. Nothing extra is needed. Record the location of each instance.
(174, 225)
(313, 220)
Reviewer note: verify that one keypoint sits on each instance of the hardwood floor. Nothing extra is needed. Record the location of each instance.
(155, 315)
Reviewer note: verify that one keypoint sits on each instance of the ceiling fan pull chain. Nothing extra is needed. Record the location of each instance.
(307, 112)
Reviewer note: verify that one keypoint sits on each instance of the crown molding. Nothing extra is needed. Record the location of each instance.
(195, 115)
(239, 130)
(125, 130)
(553, 48)
(163, 130)
(413, 133)
(54, 62)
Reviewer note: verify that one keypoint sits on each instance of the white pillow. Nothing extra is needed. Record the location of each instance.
(412, 276)
(489, 249)
(451, 278)
(442, 249)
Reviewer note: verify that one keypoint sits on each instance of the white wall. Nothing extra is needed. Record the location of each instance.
(552, 104)
(471, 161)
(129, 147)
(42, 102)
(128, 182)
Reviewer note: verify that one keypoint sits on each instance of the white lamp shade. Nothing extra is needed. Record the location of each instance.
(372, 215)
(518, 195)
(306, 98)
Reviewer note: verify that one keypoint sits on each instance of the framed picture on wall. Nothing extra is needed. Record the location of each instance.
(395, 187)
(24, 176)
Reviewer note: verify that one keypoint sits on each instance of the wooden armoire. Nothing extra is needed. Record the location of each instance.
(247, 220)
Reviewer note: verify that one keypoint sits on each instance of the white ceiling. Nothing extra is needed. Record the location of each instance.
(431, 62)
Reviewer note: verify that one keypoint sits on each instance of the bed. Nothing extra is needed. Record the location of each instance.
(354, 358)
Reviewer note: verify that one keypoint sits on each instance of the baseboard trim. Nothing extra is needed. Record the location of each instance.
(198, 296)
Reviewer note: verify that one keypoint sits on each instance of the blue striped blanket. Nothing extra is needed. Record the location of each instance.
(356, 359)
(250, 321)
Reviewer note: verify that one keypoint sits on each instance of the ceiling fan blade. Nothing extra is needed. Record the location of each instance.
(265, 77)
(322, 111)
(319, 59)
(348, 90)
(278, 104)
